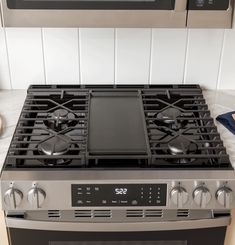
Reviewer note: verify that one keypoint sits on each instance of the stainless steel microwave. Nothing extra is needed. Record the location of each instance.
(117, 13)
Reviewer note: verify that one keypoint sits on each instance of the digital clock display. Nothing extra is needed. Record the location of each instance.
(120, 191)
(119, 195)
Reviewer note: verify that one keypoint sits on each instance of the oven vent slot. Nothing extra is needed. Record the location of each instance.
(182, 213)
(140, 213)
(92, 214)
(54, 214)
(102, 214)
(156, 213)
(83, 214)
(132, 213)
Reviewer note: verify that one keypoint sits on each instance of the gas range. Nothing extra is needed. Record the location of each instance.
(109, 148)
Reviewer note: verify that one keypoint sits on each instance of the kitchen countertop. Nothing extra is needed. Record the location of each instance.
(11, 102)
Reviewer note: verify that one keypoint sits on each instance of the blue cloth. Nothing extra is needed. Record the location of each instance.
(228, 121)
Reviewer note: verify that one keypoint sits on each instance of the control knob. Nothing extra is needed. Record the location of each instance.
(202, 196)
(224, 196)
(36, 197)
(179, 196)
(13, 197)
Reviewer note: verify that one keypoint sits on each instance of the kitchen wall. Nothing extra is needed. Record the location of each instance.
(88, 56)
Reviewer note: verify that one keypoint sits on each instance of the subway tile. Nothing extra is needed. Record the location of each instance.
(203, 57)
(5, 82)
(97, 55)
(60, 46)
(25, 56)
(132, 55)
(168, 56)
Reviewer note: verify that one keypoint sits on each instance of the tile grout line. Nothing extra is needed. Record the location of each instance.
(6, 46)
(79, 55)
(43, 57)
(8, 57)
(218, 82)
(186, 56)
(150, 57)
(115, 56)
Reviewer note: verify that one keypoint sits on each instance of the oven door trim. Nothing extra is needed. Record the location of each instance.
(118, 227)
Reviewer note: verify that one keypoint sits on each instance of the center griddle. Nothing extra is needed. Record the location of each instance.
(116, 124)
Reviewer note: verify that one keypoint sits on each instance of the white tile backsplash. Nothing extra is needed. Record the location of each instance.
(5, 81)
(138, 55)
(133, 48)
(25, 56)
(227, 72)
(168, 55)
(97, 55)
(203, 57)
(61, 54)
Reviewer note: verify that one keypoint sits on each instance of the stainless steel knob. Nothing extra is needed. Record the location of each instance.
(202, 196)
(224, 196)
(13, 197)
(36, 197)
(179, 196)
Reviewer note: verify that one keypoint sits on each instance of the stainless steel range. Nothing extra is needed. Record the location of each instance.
(114, 165)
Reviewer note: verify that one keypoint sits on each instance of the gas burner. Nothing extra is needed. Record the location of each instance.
(182, 145)
(169, 117)
(60, 119)
(94, 127)
(55, 146)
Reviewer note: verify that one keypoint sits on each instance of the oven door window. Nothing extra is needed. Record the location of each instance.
(92, 4)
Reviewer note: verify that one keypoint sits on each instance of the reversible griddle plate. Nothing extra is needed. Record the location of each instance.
(116, 124)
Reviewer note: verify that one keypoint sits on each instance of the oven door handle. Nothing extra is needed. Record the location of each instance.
(117, 227)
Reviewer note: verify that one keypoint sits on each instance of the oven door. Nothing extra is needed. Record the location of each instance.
(194, 232)
(95, 13)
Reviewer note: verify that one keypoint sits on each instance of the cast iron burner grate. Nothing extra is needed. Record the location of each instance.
(181, 131)
(116, 127)
(52, 130)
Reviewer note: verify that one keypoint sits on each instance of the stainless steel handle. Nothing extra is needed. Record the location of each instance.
(180, 5)
(117, 227)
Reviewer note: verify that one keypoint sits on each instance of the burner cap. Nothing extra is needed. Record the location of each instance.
(60, 119)
(55, 146)
(181, 145)
(169, 115)
(60, 114)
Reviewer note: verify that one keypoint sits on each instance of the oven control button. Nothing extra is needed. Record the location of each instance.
(224, 196)
(179, 196)
(13, 197)
(202, 196)
(36, 197)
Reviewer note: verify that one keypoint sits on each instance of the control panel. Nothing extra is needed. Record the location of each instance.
(66, 195)
(208, 4)
(210, 13)
(119, 195)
